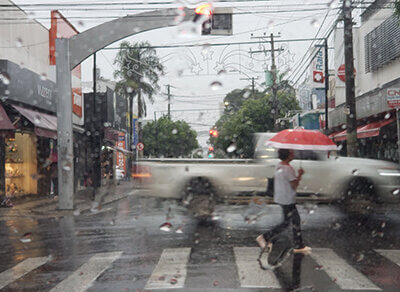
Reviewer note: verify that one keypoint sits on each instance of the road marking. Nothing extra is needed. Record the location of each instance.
(20, 270)
(250, 273)
(82, 278)
(391, 254)
(344, 275)
(170, 272)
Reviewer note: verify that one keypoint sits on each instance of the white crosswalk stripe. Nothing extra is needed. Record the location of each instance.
(250, 273)
(82, 278)
(170, 272)
(391, 254)
(20, 270)
(344, 275)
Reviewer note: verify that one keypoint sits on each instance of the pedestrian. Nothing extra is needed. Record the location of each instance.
(285, 185)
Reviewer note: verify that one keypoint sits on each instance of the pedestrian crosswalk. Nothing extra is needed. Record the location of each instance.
(174, 264)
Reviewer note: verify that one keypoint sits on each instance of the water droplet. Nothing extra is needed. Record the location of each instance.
(344, 127)
(179, 230)
(359, 257)
(396, 192)
(43, 76)
(336, 226)
(355, 172)
(77, 212)
(383, 225)
(216, 283)
(216, 85)
(387, 116)
(318, 267)
(88, 133)
(174, 131)
(173, 281)
(80, 23)
(129, 89)
(315, 23)
(26, 237)
(67, 166)
(247, 94)
(231, 148)
(180, 15)
(5, 78)
(19, 43)
(166, 227)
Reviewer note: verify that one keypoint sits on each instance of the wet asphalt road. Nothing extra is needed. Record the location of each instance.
(122, 248)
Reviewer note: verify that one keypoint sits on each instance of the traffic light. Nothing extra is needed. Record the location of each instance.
(215, 21)
(214, 133)
(210, 152)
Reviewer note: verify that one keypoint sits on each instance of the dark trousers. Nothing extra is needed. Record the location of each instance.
(291, 215)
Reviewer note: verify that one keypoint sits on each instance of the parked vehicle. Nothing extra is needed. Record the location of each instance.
(357, 183)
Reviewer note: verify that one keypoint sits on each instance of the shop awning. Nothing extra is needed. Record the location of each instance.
(5, 123)
(6, 127)
(366, 131)
(45, 125)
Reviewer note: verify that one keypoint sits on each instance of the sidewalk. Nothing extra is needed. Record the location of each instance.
(48, 206)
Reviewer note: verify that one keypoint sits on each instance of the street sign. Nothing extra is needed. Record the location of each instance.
(140, 146)
(341, 72)
(393, 97)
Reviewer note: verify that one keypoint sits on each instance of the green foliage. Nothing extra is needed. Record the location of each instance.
(234, 99)
(397, 8)
(167, 138)
(255, 115)
(138, 67)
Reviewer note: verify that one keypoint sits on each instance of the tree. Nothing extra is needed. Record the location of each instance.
(236, 131)
(397, 8)
(167, 138)
(139, 71)
(234, 99)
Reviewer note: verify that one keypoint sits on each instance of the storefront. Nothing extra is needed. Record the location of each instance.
(30, 146)
(375, 138)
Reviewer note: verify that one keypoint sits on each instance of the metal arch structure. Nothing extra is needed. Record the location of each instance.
(70, 53)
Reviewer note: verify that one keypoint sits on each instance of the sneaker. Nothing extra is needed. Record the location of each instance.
(261, 242)
(305, 249)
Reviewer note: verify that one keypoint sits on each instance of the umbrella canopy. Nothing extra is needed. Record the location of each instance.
(300, 139)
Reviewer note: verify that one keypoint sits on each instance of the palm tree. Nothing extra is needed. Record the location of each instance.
(139, 71)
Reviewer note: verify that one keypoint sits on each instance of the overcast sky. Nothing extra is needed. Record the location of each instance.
(197, 88)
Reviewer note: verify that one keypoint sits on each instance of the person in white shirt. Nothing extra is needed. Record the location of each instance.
(285, 185)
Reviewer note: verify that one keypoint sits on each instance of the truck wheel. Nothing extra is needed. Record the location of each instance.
(199, 198)
(359, 198)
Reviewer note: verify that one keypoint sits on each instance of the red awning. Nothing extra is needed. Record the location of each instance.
(45, 125)
(366, 131)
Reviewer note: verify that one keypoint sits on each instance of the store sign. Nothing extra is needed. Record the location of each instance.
(393, 97)
(121, 143)
(318, 68)
(77, 101)
(27, 87)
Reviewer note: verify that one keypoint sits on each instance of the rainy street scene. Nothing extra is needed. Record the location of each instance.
(185, 145)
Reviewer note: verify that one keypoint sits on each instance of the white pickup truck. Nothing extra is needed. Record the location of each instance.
(356, 182)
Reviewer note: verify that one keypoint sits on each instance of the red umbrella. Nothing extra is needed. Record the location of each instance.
(300, 139)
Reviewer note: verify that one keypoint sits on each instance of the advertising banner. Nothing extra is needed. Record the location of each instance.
(121, 143)
(318, 68)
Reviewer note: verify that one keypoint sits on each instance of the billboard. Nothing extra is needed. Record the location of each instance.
(62, 28)
(121, 143)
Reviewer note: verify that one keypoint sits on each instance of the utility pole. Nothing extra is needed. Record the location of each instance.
(96, 146)
(326, 84)
(351, 118)
(169, 100)
(253, 84)
(274, 89)
(274, 77)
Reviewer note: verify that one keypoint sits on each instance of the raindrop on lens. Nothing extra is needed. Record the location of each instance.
(19, 42)
(231, 148)
(355, 172)
(4, 78)
(315, 23)
(216, 85)
(129, 89)
(166, 227)
(387, 116)
(43, 76)
(396, 192)
(80, 23)
(174, 131)
(246, 94)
